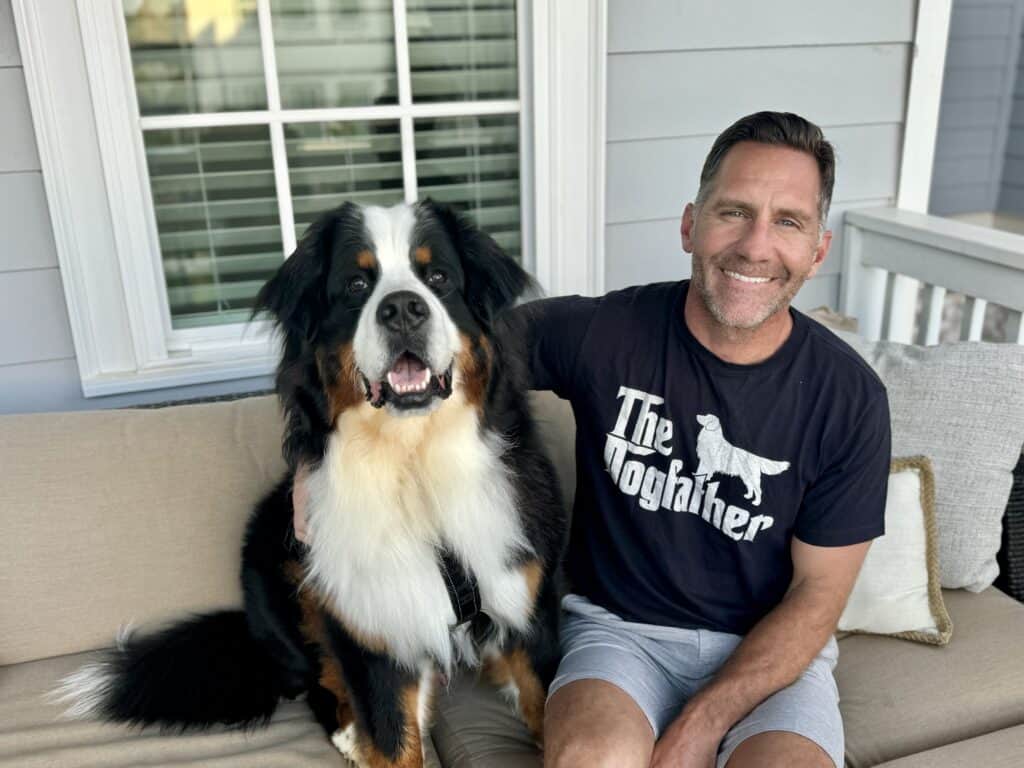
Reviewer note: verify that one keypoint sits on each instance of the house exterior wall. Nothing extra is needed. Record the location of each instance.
(679, 73)
(38, 368)
(1011, 196)
(977, 102)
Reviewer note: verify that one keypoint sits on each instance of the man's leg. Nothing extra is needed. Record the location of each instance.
(595, 724)
(611, 695)
(799, 726)
(779, 749)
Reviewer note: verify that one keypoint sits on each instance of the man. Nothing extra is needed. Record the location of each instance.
(732, 459)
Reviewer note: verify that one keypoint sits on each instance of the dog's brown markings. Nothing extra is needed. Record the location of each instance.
(340, 380)
(422, 255)
(533, 572)
(366, 260)
(312, 628)
(474, 363)
(515, 667)
(410, 745)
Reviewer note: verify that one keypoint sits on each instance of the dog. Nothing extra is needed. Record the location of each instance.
(716, 456)
(435, 522)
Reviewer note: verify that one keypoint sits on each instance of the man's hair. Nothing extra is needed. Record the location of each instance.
(780, 129)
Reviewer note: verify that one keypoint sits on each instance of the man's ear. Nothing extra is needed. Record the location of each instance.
(494, 280)
(295, 295)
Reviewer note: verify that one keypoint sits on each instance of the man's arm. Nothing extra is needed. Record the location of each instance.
(772, 656)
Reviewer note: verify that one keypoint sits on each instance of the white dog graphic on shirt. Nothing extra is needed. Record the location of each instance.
(716, 456)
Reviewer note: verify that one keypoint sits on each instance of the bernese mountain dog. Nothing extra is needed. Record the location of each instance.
(435, 524)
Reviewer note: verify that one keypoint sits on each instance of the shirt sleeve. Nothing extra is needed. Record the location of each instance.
(846, 505)
(555, 331)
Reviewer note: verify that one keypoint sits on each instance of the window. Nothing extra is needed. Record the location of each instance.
(204, 135)
(256, 117)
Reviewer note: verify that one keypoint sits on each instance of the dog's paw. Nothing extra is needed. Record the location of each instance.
(344, 740)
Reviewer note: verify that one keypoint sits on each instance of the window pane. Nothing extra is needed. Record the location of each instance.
(335, 53)
(192, 56)
(472, 163)
(462, 49)
(217, 219)
(330, 163)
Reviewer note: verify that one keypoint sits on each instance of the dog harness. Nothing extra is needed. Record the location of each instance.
(463, 590)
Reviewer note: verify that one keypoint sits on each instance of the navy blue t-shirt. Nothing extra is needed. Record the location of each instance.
(692, 473)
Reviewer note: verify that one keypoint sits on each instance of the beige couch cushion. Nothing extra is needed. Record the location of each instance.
(557, 427)
(34, 735)
(899, 698)
(474, 727)
(1002, 749)
(111, 516)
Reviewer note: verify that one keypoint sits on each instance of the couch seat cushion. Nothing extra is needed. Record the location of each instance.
(33, 733)
(474, 727)
(899, 698)
(1002, 749)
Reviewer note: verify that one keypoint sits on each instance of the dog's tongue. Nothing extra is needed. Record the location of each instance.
(408, 369)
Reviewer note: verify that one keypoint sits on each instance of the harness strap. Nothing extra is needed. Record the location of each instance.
(463, 590)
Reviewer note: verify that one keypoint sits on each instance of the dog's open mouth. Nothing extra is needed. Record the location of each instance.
(409, 383)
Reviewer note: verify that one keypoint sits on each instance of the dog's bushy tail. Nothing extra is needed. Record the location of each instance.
(194, 674)
(769, 467)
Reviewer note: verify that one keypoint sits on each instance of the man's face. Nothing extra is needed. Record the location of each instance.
(755, 239)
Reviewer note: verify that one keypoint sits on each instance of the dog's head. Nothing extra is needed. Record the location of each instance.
(709, 421)
(391, 305)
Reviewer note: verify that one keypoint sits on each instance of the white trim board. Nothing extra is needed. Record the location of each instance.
(116, 300)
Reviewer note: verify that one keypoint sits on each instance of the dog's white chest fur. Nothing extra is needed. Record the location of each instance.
(388, 493)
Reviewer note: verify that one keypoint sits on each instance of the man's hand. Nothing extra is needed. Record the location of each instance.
(300, 497)
(689, 742)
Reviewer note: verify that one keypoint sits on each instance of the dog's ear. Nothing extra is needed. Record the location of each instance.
(296, 294)
(494, 280)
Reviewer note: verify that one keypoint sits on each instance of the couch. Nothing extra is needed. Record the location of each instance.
(136, 515)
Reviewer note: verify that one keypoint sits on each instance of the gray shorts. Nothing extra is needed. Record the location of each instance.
(660, 668)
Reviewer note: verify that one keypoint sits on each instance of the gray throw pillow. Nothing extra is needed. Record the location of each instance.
(962, 406)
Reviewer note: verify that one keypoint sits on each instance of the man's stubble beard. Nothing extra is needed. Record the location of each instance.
(718, 312)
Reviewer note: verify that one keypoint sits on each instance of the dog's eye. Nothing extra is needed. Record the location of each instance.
(437, 277)
(357, 285)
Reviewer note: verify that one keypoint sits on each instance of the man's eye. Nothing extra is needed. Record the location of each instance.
(788, 223)
(357, 285)
(437, 277)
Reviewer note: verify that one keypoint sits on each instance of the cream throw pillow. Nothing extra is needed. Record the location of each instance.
(898, 591)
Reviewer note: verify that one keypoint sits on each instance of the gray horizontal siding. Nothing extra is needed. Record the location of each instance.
(655, 179)
(33, 317)
(17, 138)
(656, 95)
(25, 223)
(679, 73)
(656, 25)
(977, 99)
(1011, 193)
(9, 56)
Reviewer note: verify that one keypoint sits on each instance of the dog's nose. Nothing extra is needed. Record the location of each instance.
(402, 311)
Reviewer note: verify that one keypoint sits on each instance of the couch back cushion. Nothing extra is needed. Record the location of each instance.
(125, 515)
(557, 428)
(137, 516)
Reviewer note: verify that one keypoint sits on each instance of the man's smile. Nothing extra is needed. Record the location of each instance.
(750, 279)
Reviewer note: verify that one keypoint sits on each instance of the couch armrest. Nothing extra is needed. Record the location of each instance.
(1011, 554)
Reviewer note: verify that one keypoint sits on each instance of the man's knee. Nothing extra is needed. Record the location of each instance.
(779, 749)
(591, 750)
(593, 723)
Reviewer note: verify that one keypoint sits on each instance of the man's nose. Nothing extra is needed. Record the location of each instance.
(756, 243)
(402, 311)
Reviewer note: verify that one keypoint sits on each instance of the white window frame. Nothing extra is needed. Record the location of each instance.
(79, 78)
